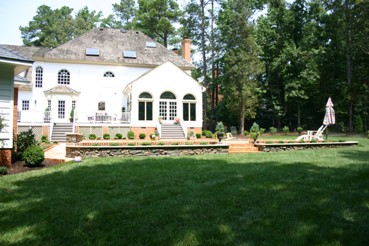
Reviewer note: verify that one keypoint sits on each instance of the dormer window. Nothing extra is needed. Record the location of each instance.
(109, 74)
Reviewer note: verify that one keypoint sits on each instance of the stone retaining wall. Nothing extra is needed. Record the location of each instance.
(165, 150)
(302, 146)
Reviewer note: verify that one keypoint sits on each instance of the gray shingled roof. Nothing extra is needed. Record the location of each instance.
(11, 54)
(111, 44)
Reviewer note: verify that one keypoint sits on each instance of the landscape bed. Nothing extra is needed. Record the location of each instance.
(272, 146)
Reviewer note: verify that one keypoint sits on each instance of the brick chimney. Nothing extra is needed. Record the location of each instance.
(186, 49)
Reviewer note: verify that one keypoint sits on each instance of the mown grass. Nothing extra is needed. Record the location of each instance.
(313, 197)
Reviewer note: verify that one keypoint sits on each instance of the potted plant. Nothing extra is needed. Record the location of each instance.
(71, 116)
(220, 131)
(177, 120)
(157, 135)
(191, 135)
(256, 131)
(160, 119)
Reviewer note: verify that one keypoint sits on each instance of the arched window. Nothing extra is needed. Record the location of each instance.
(145, 106)
(189, 108)
(109, 74)
(63, 77)
(39, 77)
(167, 95)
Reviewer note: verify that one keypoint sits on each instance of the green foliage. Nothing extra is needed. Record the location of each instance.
(126, 11)
(198, 135)
(33, 156)
(2, 125)
(219, 127)
(119, 136)
(285, 130)
(25, 140)
(246, 132)
(3, 170)
(299, 130)
(114, 144)
(256, 131)
(175, 143)
(209, 134)
(203, 132)
(368, 134)
(106, 136)
(359, 125)
(44, 139)
(156, 18)
(161, 143)
(313, 140)
(92, 136)
(142, 135)
(203, 143)
(146, 143)
(131, 144)
(273, 130)
(51, 28)
(71, 115)
(131, 135)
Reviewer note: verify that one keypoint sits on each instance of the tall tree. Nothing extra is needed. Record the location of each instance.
(51, 28)
(242, 65)
(156, 18)
(126, 11)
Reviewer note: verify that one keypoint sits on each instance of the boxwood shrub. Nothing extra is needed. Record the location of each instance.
(33, 156)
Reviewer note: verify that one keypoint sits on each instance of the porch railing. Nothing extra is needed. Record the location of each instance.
(32, 116)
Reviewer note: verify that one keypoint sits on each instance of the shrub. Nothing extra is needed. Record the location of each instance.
(281, 141)
(119, 135)
(131, 135)
(209, 134)
(92, 136)
(246, 132)
(33, 156)
(44, 139)
(145, 143)
(114, 144)
(256, 131)
(198, 135)
(313, 140)
(161, 143)
(131, 144)
(175, 143)
(285, 130)
(106, 136)
(219, 127)
(272, 130)
(203, 133)
(299, 130)
(368, 134)
(142, 135)
(203, 143)
(3, 170)
(25, 140)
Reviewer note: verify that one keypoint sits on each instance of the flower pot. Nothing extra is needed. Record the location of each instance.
(220, 136)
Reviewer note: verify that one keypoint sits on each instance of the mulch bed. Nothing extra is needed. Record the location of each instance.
(19, 166)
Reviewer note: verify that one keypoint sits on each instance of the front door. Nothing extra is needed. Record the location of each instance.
(167, 110)
(61, 110)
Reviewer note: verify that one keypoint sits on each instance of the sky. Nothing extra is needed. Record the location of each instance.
(16, 13)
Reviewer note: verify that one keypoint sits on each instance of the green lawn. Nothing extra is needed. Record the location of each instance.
(307, 197)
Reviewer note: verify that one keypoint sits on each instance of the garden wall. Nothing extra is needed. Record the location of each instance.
(266, 147)
(156, 150)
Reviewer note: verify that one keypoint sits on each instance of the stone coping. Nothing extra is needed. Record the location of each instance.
(270, 147)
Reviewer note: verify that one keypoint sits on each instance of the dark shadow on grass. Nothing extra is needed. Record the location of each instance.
(169, 201)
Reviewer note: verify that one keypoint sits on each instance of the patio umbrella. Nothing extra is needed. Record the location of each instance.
(329, 117)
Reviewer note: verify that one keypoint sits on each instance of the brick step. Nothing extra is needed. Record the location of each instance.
(242, 148)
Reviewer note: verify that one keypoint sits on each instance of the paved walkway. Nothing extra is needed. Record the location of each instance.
(57, 153)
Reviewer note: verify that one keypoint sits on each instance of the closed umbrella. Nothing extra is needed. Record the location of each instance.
(329, 117)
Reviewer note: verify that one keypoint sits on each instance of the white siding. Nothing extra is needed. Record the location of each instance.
(6, 106)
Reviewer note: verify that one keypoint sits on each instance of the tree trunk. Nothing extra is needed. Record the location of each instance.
(212, 68)
(298, 115)
(204, 67)
(348, 61)
(242, 116)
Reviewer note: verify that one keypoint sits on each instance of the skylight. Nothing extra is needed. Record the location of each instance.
(129, 54)
(150, 44)
(92, 52)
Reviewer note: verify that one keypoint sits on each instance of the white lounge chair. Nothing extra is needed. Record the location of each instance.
(310, 134)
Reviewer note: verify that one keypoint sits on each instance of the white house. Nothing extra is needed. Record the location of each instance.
(109, 81)
(11, 64)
